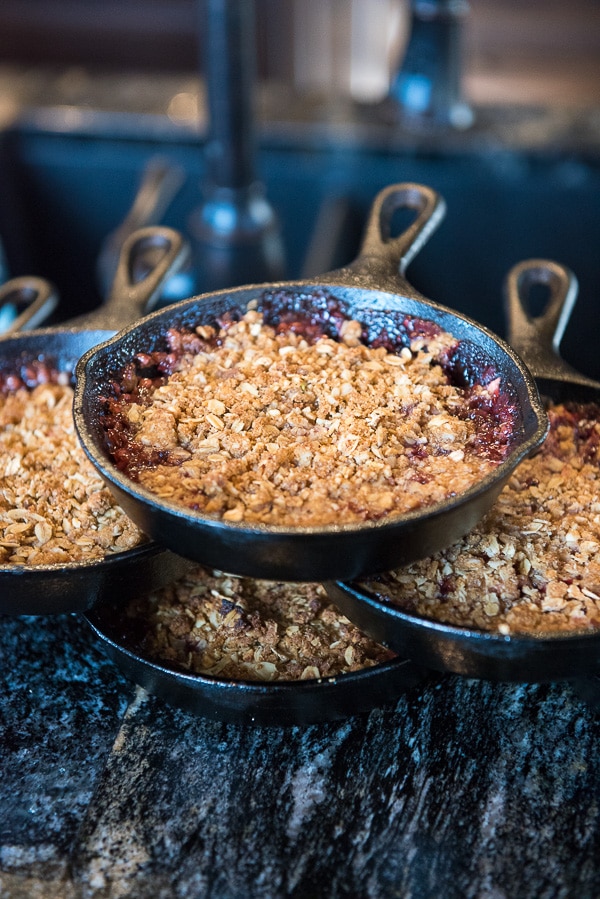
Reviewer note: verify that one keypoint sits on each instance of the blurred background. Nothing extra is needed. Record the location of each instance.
(264, 129)
(513, 50)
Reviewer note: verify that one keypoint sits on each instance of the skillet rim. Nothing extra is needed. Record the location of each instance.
(97, 455)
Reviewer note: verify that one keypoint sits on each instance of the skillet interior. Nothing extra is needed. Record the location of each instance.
(303, 554)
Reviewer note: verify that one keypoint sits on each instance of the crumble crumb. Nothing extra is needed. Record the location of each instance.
(54, 507)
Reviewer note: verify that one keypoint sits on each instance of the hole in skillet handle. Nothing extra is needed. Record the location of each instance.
(25, 301)
(148, 257)
(372, 286)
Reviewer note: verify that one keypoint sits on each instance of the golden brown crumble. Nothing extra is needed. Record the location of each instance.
(54, 507)
(533, 564)
(237, 628)
(267, 427)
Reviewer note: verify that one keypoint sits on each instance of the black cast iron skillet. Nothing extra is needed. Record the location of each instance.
(280, 703)
(472, 652)
(148, 258)
(373, 288)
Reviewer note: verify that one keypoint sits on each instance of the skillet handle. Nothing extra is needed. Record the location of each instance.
(148, 258)
(383, 259)
(537, 338)
(25, 301)
(160, 183)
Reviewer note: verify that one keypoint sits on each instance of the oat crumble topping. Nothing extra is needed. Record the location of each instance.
(285, 424)
(532, 565)
(235, 628)
(54, 508)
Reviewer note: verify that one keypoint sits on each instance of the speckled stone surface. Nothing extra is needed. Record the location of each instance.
(459, 788)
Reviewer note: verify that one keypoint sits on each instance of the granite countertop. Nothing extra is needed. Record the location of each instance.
(457, 788)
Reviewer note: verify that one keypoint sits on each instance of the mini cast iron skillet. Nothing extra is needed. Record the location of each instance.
(51, 589)
(372, 288)
(243, 702)
(473, 652)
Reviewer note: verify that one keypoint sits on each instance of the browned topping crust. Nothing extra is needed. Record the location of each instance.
(533, 564)
(54, 508)
(242, 629)
(285, 425)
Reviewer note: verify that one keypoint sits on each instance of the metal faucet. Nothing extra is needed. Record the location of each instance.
(235, 233)
(428, 85)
